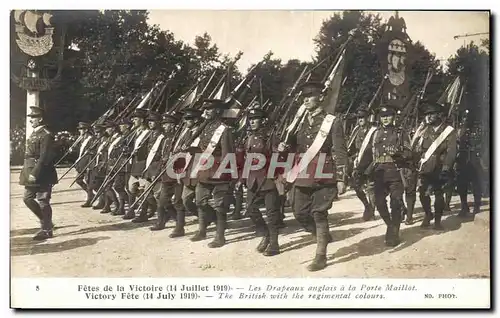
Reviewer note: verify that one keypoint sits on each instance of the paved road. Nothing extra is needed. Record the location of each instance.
(89, 244)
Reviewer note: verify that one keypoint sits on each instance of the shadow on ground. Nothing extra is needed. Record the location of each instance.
(376, 245)
(20, 246)
(33, 231)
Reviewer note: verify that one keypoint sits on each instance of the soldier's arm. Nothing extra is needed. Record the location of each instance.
(339, 148)
(45, 158)
(227, 142)
(451, 152)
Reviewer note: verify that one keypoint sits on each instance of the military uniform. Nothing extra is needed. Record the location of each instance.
(390, 147)
(354, 147)
(138, 162)
(313, 196)
(84, 157)
(210, 185)
(167, 209)
(97, 167)
(38, 175)
(434, 173)
(258, 143)
(118, 152)
(469, 164)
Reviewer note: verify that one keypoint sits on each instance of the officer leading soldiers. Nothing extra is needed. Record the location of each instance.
(437, 147)
(260, 186)
(38, 174)
(313, 195)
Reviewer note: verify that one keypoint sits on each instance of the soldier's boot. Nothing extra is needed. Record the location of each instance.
(273, 248)
(322, 235)
(201, 234)
(179, 225)
(477, 205)
(100, 203)
(161, 221)
(315, 237)
(143, 215)
(90, 197)
(130, 213)
(447, 199)
(439, 207)
(153, 207)
(46, 222)
(411, 206)
(426, 205)
(368, 213)
(82, 185)
(107, 204)
(116, 202)
(281, 220)
(264, 242)
(220, 239)
(404, 212)
(395, 240)
(238, 204)
(121, 205)
(34, 207)
(464, 210)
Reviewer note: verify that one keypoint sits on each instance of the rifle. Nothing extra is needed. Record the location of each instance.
(67, 151)
(84, 170)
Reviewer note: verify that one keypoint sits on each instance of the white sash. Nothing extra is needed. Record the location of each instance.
(364, 145)
(99, 150)
(324, 130)
(113, 144)
(211, 146)
(84, 144)
(138, 142)
(354, 135)
(437, 142)
(153, 151)
(184, 132)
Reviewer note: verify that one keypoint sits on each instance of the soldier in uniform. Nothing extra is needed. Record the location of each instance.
(437, 147)
(167, 209)
(103, 160)
(117, 156)
(86, 140)
(152, 157)
(353, 148)
(39, 174)
(139, 153)
(313, 196)
(390, 148)
(261, 187)
(191, 118)
(216, 140)
(97, 168)
(469, 164)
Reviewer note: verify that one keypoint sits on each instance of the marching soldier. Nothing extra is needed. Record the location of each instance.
(469, 164)
(216, 140)
(260, 187)
(313, 196)
(103, 161)
(191, 118)
(117, 155)
(391, 148)
(86, 140)
(354, 147)
(437, 147)
(138, 162)
(97, 169)
(411, 175)
(39, 174)
(168, 209)
(151, 166)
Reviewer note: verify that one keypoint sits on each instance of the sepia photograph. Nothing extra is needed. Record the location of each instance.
(250, 158)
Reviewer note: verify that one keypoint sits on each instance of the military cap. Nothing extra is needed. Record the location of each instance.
(256, 113)
(154, 116)
(213, 104)
(99, 126)
(109, 124)
(167, 118)
(141, 113)
(124, 121)
(312, 88)
(83, 125)
(433, 108)
(190, 113)
(386, 110)
(35, 112)
(362, 113)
